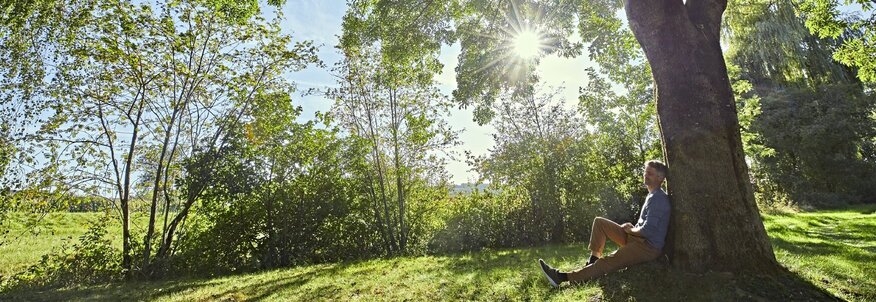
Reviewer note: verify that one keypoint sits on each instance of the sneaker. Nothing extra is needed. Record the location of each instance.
(592, 260)
(551, 273)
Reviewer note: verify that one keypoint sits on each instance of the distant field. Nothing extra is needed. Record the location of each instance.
(828, 251)
(32, 236)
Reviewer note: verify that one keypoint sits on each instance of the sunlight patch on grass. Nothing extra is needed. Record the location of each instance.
(829, 248)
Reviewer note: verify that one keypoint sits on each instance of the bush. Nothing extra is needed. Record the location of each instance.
(247, 219)
(92, 260)
(490, 220)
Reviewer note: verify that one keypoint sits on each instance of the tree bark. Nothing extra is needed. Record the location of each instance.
(715, 223)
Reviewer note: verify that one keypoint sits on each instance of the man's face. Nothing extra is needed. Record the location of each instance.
(651, 177)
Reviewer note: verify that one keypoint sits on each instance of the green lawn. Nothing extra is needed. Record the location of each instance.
(834, 249)
(827, 253)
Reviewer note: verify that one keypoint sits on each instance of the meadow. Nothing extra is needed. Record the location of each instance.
(30, 236)
(828, 254)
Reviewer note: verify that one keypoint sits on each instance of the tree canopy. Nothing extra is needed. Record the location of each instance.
(855, 30)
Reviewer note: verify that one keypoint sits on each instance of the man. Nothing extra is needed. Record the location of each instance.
(638, 243)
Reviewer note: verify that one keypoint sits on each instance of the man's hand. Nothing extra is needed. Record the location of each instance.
(627, 227)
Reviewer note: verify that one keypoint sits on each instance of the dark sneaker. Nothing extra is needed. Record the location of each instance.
(551, 273)
(592, 260)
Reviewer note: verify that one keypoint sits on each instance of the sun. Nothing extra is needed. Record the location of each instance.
(527, 44)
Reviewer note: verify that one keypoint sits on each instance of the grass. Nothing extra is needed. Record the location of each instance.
(24, 245)
(33, 235)
(834, 249)
(829, 254)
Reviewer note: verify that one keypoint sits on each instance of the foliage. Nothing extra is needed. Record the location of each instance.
(277, 198)
(857, 33)
(555, 173)
(484, 219)
(485, 30)
(807, 124)
(27, 237)
(624, 131)
(542, 149)
(795, 56)
(534, 145)
(92, 260)
(817, 138)
(400, 115)
(129, 92)
(183, 105)
(42, 38)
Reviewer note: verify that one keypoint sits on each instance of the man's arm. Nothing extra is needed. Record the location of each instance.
(658, 215)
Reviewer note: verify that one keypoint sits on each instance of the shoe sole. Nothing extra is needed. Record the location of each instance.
(554, 284)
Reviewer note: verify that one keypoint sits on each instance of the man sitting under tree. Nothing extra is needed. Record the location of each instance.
(639, 243)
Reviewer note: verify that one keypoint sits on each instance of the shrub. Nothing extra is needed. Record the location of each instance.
(90, 261)
(488, 219)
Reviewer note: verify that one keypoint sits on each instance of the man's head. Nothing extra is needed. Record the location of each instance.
(655, 173)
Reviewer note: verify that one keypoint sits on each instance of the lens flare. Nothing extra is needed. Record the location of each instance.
(527, 44)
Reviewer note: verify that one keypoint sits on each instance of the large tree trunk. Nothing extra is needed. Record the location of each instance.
(715, 224)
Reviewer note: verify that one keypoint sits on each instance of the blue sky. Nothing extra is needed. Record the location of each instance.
(320, 21)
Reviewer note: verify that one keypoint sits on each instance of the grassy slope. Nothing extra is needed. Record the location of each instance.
(831, 250)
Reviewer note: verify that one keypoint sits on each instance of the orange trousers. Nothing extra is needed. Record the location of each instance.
(633, 250)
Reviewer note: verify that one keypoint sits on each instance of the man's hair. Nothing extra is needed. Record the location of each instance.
(659, 166)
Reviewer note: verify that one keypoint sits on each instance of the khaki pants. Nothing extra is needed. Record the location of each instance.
(633, 250)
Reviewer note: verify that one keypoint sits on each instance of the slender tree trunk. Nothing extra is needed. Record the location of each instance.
(375, 142)
(165, 187)
(715, 222)
(127, 259)
(272, 257)
(123, 194)
(153, 209)
(400, 195)
(376, 207)
(164, 249)
(356, 121)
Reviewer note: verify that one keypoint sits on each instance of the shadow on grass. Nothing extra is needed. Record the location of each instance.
(114, 291)
(832, 249)
(656, 281)
(845, 250)
(846, 239)
(259, 288)
(510, 274)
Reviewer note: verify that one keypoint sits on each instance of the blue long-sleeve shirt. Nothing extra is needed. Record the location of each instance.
(654, 219)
